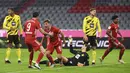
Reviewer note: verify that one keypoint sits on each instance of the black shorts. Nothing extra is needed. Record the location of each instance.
(13, 39)
(92, 40)
(69, 63)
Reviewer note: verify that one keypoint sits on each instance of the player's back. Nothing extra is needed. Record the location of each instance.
(30, 27)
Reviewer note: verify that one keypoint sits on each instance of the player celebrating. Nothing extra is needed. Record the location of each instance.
(53, 42)
(12, 24)
(112, 32)
(30, 28)
(90, 24)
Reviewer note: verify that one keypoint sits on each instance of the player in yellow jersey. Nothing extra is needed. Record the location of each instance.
(90, 25)
(12, 24)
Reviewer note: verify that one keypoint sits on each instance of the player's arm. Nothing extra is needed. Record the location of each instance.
(84, 28)
(120, 34)
(45, 33)
(72, 50)
(109, 33)
(62, 36)
(42, 31)
(20, 27)
(84, 25)
(42, 39)
(5, 24)
(99, 29)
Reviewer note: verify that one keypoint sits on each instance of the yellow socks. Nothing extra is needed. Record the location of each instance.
(19, 53)
(7, 54)
(93, 56)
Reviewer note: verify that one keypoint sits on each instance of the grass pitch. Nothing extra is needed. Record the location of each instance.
(110, 64)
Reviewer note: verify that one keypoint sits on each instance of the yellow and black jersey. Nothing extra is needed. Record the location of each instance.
(90, 25)
(12, 22)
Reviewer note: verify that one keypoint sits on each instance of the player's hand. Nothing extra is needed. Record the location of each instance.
(113, 38)
(100, 34)
(122, 39)
(51, 34)
(85, 38)
(21, 35)
(64, 41)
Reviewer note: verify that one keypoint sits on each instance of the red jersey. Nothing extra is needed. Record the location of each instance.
(55, 39)
(114, 28)
(30, 27)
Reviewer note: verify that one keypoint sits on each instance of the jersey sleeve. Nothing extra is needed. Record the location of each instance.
(38, 25)
(98, 25)
(57, 30)
(5, 23)
(110, 27)
(84, 25)
(20, 26)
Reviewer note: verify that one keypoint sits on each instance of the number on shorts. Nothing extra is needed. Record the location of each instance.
(28, 26)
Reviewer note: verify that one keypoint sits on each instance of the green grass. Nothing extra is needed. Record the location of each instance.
(110, 64)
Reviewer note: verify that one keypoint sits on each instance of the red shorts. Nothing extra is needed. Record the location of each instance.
(33, 45)
(114, 43)
(58, 47)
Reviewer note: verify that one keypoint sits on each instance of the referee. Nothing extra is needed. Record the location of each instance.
(12, 24)
(90, 25)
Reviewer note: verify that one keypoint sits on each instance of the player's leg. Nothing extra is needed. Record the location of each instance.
(41, 54)
(49, 51)
(17, 45)
(31, 51)
(107, 51)
(67, 61)
(64, 59)
(93, 44)
(59, 54)
(122, 49)
(9, 45)
(38, 47)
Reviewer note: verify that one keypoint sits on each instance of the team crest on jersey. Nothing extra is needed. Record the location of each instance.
(82, 54)
(92, 25)
(13, 23)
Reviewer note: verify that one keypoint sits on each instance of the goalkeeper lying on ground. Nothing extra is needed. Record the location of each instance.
(80, 58)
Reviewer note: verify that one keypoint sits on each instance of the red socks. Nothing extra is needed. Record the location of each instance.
(31, 58)
(50, 58)
(39, 57)
(121, 53)
(105, 54)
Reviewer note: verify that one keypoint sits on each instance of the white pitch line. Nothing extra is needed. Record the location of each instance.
(63, 68)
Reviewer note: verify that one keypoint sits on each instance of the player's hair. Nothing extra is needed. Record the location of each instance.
(11, 9)
(91, 9)
(35, 14)
(47, 20)
(114, 17)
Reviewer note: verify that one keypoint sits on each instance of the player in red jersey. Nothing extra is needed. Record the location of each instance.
(30, 28)
(53, 42)
(112, 32)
